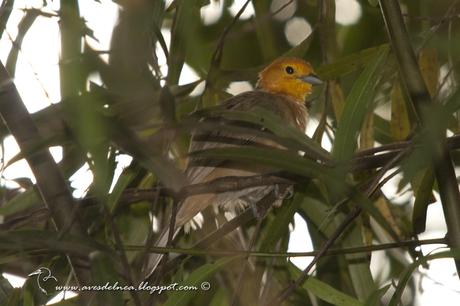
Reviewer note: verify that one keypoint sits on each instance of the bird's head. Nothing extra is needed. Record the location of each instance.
(292, 77)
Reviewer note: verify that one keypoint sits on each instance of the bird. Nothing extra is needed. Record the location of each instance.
(281, 88)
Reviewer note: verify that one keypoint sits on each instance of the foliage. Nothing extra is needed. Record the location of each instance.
(385, 116)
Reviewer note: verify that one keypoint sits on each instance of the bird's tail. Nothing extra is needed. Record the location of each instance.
(187, 210)
(154, 259)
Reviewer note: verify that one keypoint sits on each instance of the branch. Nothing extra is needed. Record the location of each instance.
(219, 185)
(70, 69)
(331, 252)
(50, 182)
(217, 55)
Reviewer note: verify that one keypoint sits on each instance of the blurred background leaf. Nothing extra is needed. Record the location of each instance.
(126, 95)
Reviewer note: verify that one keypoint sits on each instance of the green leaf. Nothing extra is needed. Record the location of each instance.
(102, 272)
(184, 90)
(22, 241)
(70, 302)
(382, 132)
(351, 62)
(187, 13)
(279, 225)
(374, 3)
(428, 60)
(369, 207)
(23, 27)
(366, 140)
(197, 278)
(301, 49)
(220, 298)
(409, 271)
(27, 296)
(326, 221)
(324, 291)
(400, 122)
(453, 102)
(134, 228)
(162, 167)
(356, 106)
(123, 181)
(15, 298)
(6, 290)
(21, 202)
(423, 197)
(5, 12)
(43, 144)
(266, 34)
(280, 159)
(375, 298)
(319, 214)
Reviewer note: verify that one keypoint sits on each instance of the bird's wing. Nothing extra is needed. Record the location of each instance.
(209, 170)
(222, 138)
(201, 171)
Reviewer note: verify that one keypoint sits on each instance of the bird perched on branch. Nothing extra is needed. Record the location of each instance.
(281, 89)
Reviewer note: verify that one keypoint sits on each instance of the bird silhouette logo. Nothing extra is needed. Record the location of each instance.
(43, 275)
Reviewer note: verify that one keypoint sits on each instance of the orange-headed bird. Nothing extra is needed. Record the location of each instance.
(282, 88)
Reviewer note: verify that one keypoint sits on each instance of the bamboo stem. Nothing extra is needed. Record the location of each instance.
(426, 110)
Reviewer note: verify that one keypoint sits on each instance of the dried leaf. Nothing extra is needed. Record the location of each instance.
(429, 66)
(400, 123)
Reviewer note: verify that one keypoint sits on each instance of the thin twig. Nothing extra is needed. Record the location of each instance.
(122, 255)
(239, 283)
(172, 226)
(219, 185)
(150, 237)
(281, 8)
(331, 252)
(216, 57)
(53, 188)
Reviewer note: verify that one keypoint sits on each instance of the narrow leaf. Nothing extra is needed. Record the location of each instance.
(375, 298)
(103, 272)
(324, 291)
(409, 271)
(23, 27)
(20, 202)
(429, 67)
(197, 278)
(123, 181)
(356, 106)
(423, 197)
(279, 225)
(280, 159)
(350, 63)
(400, 123)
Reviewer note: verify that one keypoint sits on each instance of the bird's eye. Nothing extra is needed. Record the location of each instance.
(289, 70)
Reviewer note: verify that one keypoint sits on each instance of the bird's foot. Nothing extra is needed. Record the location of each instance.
(283, 193)
(258, 212)
(289, 192)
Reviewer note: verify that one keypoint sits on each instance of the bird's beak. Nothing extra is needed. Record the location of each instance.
(311, 79)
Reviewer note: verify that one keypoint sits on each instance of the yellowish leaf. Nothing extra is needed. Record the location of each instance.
(400, 124)
(429, 66)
